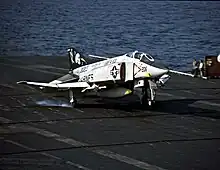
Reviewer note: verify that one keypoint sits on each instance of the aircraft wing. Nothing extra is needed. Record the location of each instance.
(66, 78)
(58, 86)
(99, 57)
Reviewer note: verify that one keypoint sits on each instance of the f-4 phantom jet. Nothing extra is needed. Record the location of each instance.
(130, 73)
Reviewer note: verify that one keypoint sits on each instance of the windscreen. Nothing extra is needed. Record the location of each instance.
(146, 58)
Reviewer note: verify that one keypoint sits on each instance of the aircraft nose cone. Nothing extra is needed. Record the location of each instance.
(157, 72)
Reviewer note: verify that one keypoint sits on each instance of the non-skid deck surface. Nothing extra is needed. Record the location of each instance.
(40, 131)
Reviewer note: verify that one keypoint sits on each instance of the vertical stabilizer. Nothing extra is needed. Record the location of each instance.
(75, 58)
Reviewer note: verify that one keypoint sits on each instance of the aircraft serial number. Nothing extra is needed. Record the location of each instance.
(110, 61)
(87, 78)
(83, 69)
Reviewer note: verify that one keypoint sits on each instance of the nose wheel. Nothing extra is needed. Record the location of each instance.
(72, 98)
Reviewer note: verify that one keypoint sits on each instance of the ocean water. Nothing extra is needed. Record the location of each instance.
(174, 32)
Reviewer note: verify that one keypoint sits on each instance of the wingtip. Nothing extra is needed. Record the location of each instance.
(22, 82)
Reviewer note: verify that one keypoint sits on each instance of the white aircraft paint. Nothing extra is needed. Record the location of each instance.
(119, 71)
(218, 58)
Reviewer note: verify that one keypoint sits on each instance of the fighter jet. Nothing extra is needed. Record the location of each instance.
(132, 73)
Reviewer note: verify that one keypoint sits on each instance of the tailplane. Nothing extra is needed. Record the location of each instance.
(75, 58)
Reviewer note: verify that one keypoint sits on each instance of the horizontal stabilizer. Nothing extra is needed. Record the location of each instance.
(64, 85)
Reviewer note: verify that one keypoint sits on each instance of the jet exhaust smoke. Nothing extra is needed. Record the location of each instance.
(53, 103)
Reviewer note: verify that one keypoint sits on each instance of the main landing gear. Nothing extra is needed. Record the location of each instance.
(148, 93)
(72, 98)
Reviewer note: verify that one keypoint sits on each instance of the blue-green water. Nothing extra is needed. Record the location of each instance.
(172, 31)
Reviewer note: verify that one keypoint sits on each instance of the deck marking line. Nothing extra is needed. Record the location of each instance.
(106, 153)
(48, 155)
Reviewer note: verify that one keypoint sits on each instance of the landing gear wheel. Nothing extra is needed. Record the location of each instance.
(73, 100)
(151, 103)
(144, 101)
(73, 104)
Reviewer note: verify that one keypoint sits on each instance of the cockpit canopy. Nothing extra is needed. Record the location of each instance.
(144, 57)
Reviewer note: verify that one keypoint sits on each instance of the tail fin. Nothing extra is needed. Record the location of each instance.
(75, 58)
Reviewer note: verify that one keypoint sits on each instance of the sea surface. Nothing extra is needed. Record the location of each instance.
(174, 32)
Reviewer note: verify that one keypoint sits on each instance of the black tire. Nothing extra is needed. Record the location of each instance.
(75, 103)
(144, 100)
